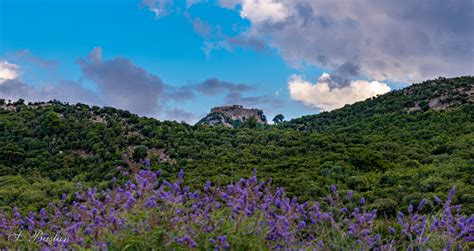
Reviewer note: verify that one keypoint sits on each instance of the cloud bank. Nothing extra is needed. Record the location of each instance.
(118, 82)
(405, 40)
(322, 96)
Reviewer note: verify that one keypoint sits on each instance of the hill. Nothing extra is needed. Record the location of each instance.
(394, 149)
(435, 95)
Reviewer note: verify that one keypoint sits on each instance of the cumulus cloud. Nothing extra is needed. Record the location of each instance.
(403, 40)
(122, 84)
(343, 74)
(8, 71)
(322, 96)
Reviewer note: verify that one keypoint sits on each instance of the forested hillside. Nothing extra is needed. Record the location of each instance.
(394, 149)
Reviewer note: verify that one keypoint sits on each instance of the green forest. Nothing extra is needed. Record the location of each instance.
(394, 149)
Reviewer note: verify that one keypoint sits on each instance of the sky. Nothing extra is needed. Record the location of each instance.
(175, 60)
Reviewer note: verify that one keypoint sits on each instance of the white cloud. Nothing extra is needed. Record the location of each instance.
(8, 71)
(322, 96)
(263, 10)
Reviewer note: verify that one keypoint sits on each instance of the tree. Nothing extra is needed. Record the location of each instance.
(250, 122)
(19, 102)
(140, 153)
(278, 118)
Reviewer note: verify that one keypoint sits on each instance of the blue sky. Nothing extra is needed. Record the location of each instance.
(186, 43)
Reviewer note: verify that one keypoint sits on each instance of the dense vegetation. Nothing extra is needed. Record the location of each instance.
(146, 214)
(394, 150)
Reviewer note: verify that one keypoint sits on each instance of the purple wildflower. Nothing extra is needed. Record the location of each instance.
(410, 208)
(333, 189)
(393, 231)
(422, 204)
(147, 162)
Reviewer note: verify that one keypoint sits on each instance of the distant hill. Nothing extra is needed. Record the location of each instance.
(394, 149)
(232, 116)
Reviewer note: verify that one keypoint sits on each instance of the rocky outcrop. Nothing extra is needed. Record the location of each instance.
(232, 116)
(437, 95)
